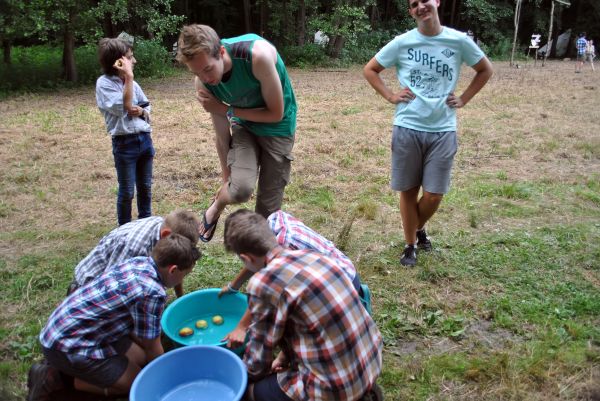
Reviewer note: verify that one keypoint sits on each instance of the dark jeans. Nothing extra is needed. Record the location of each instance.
(133, 160)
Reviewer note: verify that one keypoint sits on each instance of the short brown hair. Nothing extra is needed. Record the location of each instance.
(183, 222)
(195, 39)
(109, 51)
(177, 250)
(248, 232)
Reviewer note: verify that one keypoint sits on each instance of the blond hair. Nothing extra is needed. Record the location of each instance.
(195, 39)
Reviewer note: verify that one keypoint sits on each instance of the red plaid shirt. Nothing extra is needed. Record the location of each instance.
(303, 302)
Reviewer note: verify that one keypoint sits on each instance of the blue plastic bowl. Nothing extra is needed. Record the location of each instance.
(199, 373)
(204, 304)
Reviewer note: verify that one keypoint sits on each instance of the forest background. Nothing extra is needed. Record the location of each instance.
(49, 43)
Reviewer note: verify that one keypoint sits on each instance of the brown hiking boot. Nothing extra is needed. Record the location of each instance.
(42, 381)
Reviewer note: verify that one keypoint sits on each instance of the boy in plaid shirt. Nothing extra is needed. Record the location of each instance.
(303, 303)
(291, 233)
(136, 238)
(102, 335)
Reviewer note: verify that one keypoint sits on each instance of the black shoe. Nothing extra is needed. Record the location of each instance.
(42, 381)
(409, 256)
(423, 242)
(374, 394)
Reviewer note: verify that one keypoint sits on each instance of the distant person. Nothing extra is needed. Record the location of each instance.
(303, 304)
(137, 238)
(581, 46)
(291, 233)
(103, 334)
(126, 112)
(590, 53)
(244, 85)
(428, 60)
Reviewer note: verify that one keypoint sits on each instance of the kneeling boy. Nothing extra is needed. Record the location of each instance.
(105, 332)
(136, 238)
(302, 302)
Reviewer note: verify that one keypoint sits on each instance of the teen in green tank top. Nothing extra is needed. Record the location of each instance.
(243, 90)
(243, 83)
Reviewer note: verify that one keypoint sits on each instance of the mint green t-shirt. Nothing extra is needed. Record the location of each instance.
(429, 66)
(243, 90)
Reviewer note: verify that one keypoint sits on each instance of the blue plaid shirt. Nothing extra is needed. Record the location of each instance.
(128, 298)
(581, 45)
(136, 238)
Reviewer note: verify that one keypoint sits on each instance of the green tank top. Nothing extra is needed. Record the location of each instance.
(243, 90)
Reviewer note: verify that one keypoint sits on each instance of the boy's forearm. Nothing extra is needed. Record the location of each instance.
(481, 78)
(153, 349)
(243, 276)
(222, 142)
(128, 94)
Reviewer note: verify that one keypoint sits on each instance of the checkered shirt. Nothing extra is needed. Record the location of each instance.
(581, 44)
(303, 303)
(136, 238)
(293, 234)
(128, 298)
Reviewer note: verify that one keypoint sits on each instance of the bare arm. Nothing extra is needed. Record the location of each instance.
(152, 347)
(243, 276)
(484, 71)
(222, 133)
(125, 68)
(372, 72)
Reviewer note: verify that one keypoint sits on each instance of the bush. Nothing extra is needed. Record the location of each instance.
(362, 48)
(38, 67)
(499, 50)
(310, 54)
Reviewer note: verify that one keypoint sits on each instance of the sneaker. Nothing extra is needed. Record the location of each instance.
(42, 381)
(409, 256)
(423, 242)
(374, 394)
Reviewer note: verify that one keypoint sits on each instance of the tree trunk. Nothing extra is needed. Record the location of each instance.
(442, 12)
(263, 18)
(6, 47)
(549, 48)
(285, 24)
(452, 13)
(301, 24)
(516, 21)
(69, 68)
(247, 24)
(336, 44)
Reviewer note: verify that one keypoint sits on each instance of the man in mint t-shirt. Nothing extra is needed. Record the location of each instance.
(428, 61)
(244, 85)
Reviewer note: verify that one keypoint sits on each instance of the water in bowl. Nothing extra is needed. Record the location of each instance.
(201, 390)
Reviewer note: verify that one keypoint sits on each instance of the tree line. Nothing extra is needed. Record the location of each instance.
(288, 24)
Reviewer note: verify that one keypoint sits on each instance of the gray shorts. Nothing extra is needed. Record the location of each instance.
(103, 373)
(422, 159)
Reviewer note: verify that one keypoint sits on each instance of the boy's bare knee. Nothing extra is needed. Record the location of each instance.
(432, 197)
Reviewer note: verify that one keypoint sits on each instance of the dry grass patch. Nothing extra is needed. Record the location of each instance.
(503, 309)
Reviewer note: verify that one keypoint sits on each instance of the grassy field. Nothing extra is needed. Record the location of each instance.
(507, 307)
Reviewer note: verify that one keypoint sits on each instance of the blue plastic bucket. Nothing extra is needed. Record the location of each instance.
(199, 373)
(204, 305)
